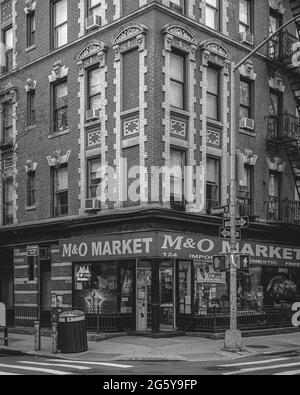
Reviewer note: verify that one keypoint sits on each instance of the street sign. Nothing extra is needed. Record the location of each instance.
(33, 251)
(243, 201)
(2, 315)
(242, 222)
(219, 210)
(226, 234)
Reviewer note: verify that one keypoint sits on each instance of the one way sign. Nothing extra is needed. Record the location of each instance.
(226, 234)
(242, 222)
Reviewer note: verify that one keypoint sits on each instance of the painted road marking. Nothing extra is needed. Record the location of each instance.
(112, 365)
(290, 373)
(54, 364)
(254, 363)
(9, 374)
(250, 370)
(50, 371)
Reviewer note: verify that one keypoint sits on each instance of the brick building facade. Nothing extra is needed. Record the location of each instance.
(87, 84)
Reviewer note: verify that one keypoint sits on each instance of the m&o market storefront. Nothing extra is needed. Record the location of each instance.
(165, 281)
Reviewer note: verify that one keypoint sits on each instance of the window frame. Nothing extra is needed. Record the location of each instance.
(89, 97)
(89, 174)
(55, 109)
(182, 83)
(7, 220)
(250, 23)
(31, 29)
(8, 52)
(183, 153)
(212, 184)
(31, 113)
(217, 14)
(90, 9)
(218, 95)
(6, 138)
(31, 190)
(250, 84)
(54, 27)
(56, 193)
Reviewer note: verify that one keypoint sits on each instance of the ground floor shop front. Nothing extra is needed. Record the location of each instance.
(151, 282)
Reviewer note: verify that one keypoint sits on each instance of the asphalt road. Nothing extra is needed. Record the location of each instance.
(288, 364)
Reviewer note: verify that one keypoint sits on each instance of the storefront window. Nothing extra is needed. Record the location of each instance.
(127, 289)
(185, 288)
(210, 289)
(96, 290)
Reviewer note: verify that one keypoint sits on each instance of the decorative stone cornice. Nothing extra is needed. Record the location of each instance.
(277, 5)
(29, 6)
(181, 38)
(58, 71)
(214, 52)
(30, 166)
(277, 164)
(8, 95)
(57, 158)
(30, 85)
(130, 37)
(247, 71)
(92, 53)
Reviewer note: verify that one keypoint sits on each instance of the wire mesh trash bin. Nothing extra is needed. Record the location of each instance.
(72, 336)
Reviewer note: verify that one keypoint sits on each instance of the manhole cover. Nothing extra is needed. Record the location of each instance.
(256, 346)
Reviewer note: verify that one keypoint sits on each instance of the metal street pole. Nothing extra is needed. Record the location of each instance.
(233, 337)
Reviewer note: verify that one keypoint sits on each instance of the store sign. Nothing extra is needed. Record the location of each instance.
(33, 251)
(206, 274)
(2, 315)
(84, 274)
(296, 316)
(174, 246)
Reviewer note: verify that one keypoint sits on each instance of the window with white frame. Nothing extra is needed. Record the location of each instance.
(245, 24)
(94, 7)
(60, 23)
(61, 190)
(213, 183)
(177, 76)
(212, 14)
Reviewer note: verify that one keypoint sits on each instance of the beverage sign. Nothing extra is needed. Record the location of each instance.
(84, 274)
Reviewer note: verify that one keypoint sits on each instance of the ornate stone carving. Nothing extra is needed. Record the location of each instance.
(130, 32)
(29, 6)
(276, 83)
(8, 96)
(247, 71)
(30, 85)
(214, 52)
(30, 166)
(130, 37)
(250, 158)
(58, 71)
(277, 164)
(277, 5)
(92, 53)
(58, 159)
(179, 37)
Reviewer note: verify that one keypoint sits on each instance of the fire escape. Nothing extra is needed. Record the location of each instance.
(284, 129)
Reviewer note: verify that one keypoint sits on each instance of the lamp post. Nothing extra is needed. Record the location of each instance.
(233, 337)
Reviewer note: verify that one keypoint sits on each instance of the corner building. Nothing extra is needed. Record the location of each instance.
(90, 84)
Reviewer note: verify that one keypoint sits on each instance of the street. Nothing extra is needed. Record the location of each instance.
(288, 364)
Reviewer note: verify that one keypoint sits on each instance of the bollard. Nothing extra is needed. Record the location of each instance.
(37, 336)
(54, 337)
(5, 336)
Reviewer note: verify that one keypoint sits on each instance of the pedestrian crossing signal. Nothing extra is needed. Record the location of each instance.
(244, 263)
(220, 263)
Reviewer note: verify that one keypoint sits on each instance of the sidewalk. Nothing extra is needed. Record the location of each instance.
(186, 348)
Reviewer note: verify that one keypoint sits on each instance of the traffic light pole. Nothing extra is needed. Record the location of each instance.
(233, 337)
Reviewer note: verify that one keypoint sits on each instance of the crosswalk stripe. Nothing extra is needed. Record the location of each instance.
(250, 370)
(54, 364)
(9, 374)
(32, 369)
(112, 365)
(290, 373)
(253, 363)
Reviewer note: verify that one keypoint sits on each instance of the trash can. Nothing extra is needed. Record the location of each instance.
(72, 336)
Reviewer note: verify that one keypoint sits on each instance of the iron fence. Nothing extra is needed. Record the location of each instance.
(283, 127)
(284, 211)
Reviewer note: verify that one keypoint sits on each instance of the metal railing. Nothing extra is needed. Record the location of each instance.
(283, 127)
(280, 47)
(284, 211)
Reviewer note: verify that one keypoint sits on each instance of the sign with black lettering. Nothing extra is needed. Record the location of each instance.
(33, 251)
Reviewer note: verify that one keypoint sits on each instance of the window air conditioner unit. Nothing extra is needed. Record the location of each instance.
(92, 205)
(247, 38)
(92, 115)
(247, 123)
(92, 22)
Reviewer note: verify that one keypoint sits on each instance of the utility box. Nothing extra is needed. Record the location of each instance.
(72, 336)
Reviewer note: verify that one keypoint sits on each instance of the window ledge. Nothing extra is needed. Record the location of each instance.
(92, 123)
(248, 132)
(129, 112)
(58, 134)
(180, 112)
(28, 128)
(215, 123)
(31, 208)
(31, 48)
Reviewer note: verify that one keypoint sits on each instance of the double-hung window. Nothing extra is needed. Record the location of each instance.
(177, 75)
(31, 120)
(213, 94)
(7, 123)
(94, 89)
(8, 212)
(60, 106)
(61, 190)
(178, 162)
(213, 183)
(94, 7)
(212, 14)
(8, 40)
(31, 29)
(94, 177)
(245, 16)
(245, 99)
(60, 23)
(31, 189)
(177, 5)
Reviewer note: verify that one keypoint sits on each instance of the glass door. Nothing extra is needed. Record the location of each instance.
(144, 296)
(167, 296)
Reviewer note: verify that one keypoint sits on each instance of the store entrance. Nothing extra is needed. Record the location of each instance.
(167, 296)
